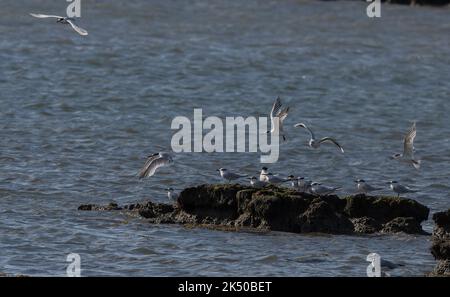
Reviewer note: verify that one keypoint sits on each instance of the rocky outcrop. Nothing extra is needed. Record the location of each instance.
(282, 209)
(440, 247)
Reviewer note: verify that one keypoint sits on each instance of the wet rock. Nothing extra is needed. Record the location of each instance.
(366, 225)
(280, 209)
(385, 209)
(234, 206)
(440, 247)
(406, 225)
(110, 206)
(321, 216)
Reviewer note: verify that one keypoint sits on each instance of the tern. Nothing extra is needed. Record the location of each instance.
(229, 176)
(256, 183)
(364, 187)
(62, 20)
(300, 183)
(408, 149)
(262, 175)
(399, 189)
(304, 185)
(275, 180)
(313, 142)
(277, 116)
(153, 162)
(321, 190)
(294, 181)
(171, 194)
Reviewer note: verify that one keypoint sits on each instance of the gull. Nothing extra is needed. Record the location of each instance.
(256, 183)
(262, 175)
(153, 162)
(275, 180)
(399, 189)
(229, 176)
(364, 187)
(62, 20)
(408, 149)
(171, 194)
(277, 116)
(321, 190)
(313, 142)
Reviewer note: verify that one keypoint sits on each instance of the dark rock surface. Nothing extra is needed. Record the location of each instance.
(440, 247)
(236, 206)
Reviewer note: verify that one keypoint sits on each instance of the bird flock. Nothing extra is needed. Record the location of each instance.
(277, 116)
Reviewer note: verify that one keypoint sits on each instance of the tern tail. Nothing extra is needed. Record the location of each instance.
(416, 164)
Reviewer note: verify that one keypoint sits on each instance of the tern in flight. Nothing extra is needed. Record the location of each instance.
(313, 142)
(62, 20)
(277, 116)
(154, 162)
(408, 149)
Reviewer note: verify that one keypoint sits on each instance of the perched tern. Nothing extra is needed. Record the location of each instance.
(294, 181)
(399, 189)
(277, 116)
(62, 20)
(153, 162)
(304, 185)
(229, 176)
(363, 187)
(313, 142)
(256, 183)
(171, 194)
(262, 175)
(275, 180)
(321, 190)
(408, 149)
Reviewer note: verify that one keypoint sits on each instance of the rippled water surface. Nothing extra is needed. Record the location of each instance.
(77, 115)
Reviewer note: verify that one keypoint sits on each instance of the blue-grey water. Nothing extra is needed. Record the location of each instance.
(78, 114)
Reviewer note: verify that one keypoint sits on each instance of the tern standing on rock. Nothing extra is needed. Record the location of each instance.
(294, 181)
(399, 189)
(314, 143)
(364, 187)
(262, 175)
(229, 176)
(321, 190)
(277, 116)
(304, 185)
(408, 149)
(62, 20)
(275, 180)
(171, 194)
(256, 183)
